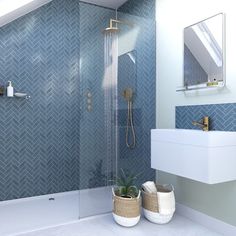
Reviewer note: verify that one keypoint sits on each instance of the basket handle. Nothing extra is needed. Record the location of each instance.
(167, 185)
(171, 185)
(113, 193)
(139, 193)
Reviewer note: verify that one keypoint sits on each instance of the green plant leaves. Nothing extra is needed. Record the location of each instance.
(125, 185)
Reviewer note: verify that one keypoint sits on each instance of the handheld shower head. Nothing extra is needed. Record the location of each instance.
(130, 141)
(128, 94)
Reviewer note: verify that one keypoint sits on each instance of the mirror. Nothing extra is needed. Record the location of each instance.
(204, 54)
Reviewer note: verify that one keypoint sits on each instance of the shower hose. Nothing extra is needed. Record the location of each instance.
(130, 127)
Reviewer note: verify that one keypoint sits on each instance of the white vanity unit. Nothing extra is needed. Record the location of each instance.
(208, 157)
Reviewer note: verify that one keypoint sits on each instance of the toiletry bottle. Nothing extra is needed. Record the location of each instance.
(10, 90)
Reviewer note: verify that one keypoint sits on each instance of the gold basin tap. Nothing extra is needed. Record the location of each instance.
(204, 123)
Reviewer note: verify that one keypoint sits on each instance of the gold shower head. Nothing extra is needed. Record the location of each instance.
(112, 30)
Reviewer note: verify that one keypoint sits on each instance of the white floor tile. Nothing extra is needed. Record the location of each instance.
(105, 226)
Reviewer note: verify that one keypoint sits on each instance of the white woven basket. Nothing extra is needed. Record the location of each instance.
(156, 217)
(151, 205)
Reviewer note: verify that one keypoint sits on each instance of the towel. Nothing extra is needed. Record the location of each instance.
(149, 187)
(166, 202)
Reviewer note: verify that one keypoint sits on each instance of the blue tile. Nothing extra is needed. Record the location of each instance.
(143, 8)
(50, 143)
(94, 159)
(193, 71)
(222, 116)
(138, 160)
(39, 140)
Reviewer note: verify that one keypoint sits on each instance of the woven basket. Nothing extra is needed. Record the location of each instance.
(127, 207)
(150, 202)
(151, 206)
(126, 211)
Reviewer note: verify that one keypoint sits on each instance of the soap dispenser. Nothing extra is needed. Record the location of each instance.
(10, 90)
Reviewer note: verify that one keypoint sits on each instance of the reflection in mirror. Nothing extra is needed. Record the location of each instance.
(203, 54)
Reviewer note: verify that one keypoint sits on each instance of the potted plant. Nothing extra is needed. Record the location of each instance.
(126, 200)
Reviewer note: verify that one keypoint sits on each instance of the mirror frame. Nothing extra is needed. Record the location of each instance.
(220, 84)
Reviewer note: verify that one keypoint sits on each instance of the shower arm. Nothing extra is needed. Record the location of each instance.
(119, 22)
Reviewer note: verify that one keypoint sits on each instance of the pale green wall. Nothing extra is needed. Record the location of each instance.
(216, 200)
(172, 16)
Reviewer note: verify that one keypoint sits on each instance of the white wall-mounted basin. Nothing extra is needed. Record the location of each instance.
(208, 157)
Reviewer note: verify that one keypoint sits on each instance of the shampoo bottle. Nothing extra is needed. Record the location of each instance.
(10, 90)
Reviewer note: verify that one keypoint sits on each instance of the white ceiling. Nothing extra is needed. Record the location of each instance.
(107, 3)
(13, 9)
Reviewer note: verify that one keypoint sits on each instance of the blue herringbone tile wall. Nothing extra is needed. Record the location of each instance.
(93, 158)
(50, 143)
(222, 116)
(94, 162)
(193, 72)
(138, 160)
(39, 141)
(143, 8)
